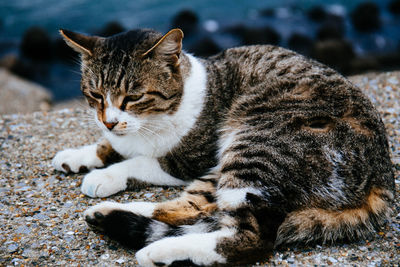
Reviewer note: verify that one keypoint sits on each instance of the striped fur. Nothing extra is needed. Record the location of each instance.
(282, 150)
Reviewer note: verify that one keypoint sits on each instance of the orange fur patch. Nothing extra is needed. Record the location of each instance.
(302, 92)
(188, 208)
(356, 125)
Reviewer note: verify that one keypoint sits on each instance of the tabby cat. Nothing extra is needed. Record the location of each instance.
(276, 150)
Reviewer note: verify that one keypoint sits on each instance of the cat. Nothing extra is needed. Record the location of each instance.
(275, 150)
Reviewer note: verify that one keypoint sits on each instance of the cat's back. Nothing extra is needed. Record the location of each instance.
(265, 64)
(275, 76)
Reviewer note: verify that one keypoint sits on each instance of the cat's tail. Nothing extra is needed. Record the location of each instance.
(316, 225)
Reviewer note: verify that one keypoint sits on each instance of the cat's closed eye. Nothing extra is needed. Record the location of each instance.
(130, 98)
(93, 95)
(96, 96)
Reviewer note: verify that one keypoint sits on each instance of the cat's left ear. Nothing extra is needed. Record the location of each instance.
(169, 47)
(81, 43)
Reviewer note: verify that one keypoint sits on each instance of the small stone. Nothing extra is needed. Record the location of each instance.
(13, 247)
(15, 261)
(28, 253)
(393, 80)
(120, 261)
(149, 195)
(23, 230)
(331, 259)
(105, 256)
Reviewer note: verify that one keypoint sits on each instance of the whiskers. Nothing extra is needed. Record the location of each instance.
(89, 120)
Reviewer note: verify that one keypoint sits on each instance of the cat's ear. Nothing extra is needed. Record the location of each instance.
(169, 47)
(81, 43)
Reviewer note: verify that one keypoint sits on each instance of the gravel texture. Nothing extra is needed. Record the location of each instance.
(41, 210)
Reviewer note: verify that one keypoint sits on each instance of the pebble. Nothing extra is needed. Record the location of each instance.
(105, 256)
(393, 80)
(149, 195)
(41, 209)
(12, 248)
(120, 261)
(332, 260)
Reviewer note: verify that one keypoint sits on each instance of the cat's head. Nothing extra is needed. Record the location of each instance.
(130, 78)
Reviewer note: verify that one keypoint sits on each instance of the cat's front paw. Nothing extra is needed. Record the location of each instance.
(77, 160)
(103, 183)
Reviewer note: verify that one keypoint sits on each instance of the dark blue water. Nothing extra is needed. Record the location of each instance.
(16, 16)
(87, 15)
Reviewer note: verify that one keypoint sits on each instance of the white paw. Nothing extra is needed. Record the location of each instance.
(77, 160)
(103, 183)
(104, 208)
(141, 208)
(195, 248)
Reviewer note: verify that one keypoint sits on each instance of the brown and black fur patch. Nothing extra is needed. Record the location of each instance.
(107, 154)
(312, 225)
(196, 203)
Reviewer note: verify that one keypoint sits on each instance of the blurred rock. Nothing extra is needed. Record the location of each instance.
(187, 21)
(317, 14)
(327, 32)
(12, 63)
(21, 96)
(111, 28)
(205, 47)
(389, 61)
(366, 17)
(332, 28)
(63, 52)
(335, 53)
(268, 12)
(36, 44)
(363, 64)
(300, 43)
(394, 7)
(252, 36)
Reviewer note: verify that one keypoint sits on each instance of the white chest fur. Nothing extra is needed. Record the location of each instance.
(170, 128)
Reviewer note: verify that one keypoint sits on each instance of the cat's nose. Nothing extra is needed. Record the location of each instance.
(110, 125)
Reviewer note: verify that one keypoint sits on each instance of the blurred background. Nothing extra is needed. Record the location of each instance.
(351, 36)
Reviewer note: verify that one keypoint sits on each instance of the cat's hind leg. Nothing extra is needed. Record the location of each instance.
(239, 233)
(138, 223)
(226, 237)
